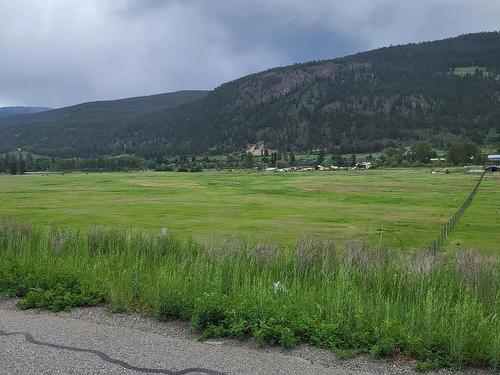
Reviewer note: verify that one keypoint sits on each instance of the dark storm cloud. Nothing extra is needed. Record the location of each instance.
(59, 52)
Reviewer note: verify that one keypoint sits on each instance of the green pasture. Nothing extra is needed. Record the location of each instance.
(470, 70)
(479, 228)
(398, 207)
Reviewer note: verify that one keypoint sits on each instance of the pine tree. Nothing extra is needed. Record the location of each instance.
(248, 161)
(13, 166)
(21, 166)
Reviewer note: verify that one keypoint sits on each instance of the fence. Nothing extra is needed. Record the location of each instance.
(438, 243)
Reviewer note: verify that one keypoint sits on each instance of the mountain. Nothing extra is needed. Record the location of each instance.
(13, 111)
(87, 129)
(439, 91)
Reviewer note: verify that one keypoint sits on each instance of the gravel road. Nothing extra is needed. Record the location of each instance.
(94, 341)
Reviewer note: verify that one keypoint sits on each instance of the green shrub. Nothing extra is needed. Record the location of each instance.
(209, 311)
(427, 366)
(64, 295)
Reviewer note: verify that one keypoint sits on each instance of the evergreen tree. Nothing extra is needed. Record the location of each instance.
(321, 156)
(353, 159)
(274, 159)
(338, 160)
(21, 166)
(248, 161)
(12, 165)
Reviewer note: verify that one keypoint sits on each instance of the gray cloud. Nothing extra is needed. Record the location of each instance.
(60, 52)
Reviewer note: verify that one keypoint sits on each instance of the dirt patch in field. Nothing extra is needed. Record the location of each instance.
(167, 185)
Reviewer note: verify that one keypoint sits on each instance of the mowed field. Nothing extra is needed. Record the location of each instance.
(402, 208)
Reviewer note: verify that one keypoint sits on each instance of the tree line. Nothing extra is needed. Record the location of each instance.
(13, 164)
(418, 154)
(22, 162)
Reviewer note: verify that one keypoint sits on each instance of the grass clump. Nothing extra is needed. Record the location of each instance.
(439, 309)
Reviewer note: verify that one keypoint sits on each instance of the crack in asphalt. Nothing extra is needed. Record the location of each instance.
(29, 338)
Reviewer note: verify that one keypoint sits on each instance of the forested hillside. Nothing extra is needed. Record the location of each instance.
(13, 111)
(438, 91)
(88, 129)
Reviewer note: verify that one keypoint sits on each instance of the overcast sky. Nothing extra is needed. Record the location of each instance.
(61, 52)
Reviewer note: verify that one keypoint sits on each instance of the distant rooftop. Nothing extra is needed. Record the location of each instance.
(494, 157)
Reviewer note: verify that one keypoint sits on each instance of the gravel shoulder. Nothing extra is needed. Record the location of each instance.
(170, 348)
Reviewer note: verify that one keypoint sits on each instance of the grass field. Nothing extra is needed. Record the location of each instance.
(400, 207)
(349, 296)
(479, 228)
(470, 70)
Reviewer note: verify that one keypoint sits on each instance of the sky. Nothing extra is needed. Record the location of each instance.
(60, 52)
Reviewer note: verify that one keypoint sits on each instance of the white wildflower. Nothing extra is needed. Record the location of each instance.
(279, 287)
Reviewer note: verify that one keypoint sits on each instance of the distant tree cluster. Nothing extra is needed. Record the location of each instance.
(14, 163)
(101, 163)
(464, 153)
(21, 162)
(421, 153)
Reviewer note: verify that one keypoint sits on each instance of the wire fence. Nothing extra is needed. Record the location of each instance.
(443, 235)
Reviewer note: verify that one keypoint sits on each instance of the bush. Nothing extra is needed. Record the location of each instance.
(60, 297)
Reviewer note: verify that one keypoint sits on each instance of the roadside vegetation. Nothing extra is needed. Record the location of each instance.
(439, 309)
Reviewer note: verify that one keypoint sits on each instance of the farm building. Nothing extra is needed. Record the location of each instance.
(494, 158)
(495, 163)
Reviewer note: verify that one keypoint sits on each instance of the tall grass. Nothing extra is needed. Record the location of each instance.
(442, 310)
